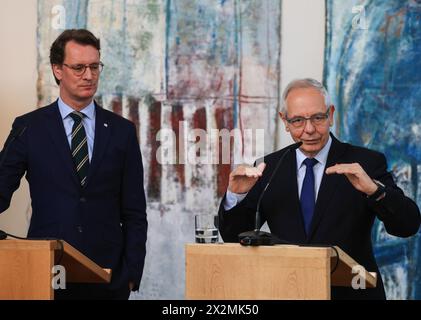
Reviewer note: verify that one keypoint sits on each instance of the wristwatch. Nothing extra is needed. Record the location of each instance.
(380, 192)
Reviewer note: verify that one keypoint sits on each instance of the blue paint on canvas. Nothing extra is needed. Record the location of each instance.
(372, 70)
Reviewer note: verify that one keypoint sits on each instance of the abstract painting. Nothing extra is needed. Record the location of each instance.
(182, 71)
(372, 70)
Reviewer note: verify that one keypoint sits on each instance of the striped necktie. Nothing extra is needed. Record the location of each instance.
(80, 147)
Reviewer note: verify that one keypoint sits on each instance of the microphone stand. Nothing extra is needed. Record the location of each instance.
(262, 238)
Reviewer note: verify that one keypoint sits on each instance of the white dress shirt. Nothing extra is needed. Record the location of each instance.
(232, 199)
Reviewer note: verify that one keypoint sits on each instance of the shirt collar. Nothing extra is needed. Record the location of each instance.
(321, 157)
(65, 110)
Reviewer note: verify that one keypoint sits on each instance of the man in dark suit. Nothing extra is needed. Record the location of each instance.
(84, 169)
(326, 192)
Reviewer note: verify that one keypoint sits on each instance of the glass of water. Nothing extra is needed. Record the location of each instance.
(206, 226)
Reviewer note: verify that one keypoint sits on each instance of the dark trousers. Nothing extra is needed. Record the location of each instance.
(76, 291)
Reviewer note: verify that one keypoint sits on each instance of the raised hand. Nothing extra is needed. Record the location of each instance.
(356, 175)
(244, 177)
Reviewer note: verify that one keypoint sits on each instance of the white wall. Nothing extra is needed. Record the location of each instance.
(18, 76)
(303, 32)
(303, 40)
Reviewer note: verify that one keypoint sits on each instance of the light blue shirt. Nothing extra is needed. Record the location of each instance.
(318, 168)
(88, 123)
(232, 199)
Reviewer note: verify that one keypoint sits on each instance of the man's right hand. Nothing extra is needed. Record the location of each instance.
(244, 177)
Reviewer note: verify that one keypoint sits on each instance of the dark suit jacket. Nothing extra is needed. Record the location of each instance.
(106, 219)
(343, 216)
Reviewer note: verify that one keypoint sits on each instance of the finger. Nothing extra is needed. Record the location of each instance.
(346, 171)
(253, 172)
(240, 170)
(246, 172)
(332, 169)
(354, 165)
(254, 176)
(349, 168)
(261, 167)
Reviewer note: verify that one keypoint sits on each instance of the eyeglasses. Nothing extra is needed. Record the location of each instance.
(80, 69)
(316, 119)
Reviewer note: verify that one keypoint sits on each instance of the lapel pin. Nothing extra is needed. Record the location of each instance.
(106, 125)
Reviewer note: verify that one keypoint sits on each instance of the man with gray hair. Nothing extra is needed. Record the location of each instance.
(325, 192)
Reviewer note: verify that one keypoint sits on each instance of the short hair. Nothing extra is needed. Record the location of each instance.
(304, 83)
(80, 36)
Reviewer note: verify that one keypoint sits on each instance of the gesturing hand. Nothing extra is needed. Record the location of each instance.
(244, 177)
(356, 175)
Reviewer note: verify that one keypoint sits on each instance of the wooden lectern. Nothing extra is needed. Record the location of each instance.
(26, 268)
(233, 272)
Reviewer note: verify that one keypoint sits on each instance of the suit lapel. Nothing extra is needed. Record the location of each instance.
(288, 187)
(294, 195)
(102, 135)
(328, 184)
(57, 133)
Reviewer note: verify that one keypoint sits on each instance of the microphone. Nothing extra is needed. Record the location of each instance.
(257, 237)
(13, 135)
(4, 235)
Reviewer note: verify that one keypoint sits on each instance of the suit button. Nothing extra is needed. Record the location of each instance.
(79, 229)
(83, 199)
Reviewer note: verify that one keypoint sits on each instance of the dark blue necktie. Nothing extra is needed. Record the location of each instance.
(308, 197)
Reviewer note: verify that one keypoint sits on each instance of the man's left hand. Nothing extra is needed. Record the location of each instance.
(356, 175)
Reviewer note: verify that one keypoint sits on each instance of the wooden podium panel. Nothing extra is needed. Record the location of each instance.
(342, 276)
(81, 269)
(231, 272)
(26, 268)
